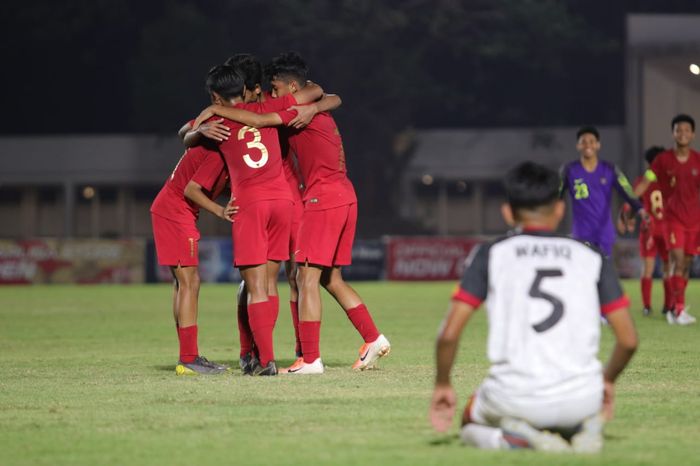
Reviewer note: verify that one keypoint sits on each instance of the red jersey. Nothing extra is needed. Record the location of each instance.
(319, 150)
(653, 201)
(201, 165)
(253, 155)
(291, 173)
(680, 185)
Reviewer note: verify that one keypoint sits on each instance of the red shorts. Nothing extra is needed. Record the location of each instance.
(176, 243)
(326, 236)
(652, 244)
(261, 232)
(297, 212)
(680, 237)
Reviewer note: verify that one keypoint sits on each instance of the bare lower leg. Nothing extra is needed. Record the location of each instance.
(175, 288)
(308, 281)
(290, 268)
(273, 270)
(344, 294)
(187, 295)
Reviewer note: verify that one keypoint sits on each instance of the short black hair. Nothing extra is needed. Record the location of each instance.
(249, 67)
(588, 130)
(651, 153)
(530, 186)
(288, 66)
(225, 81)
(683, 118)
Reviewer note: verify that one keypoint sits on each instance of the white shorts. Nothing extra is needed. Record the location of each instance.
(565, 411)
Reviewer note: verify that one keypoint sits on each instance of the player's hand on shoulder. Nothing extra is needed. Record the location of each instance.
(215, 130)
(305, 113)
(442, 407)
(203, 116)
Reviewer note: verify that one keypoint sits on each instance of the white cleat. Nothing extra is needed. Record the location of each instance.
(303, 368)
(671, 317)
(684, 318)
(371, 352)
(590, 438)
(520, 434)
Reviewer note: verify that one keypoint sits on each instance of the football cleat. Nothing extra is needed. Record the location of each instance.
(671, 317)
(269, 369)
(646, 312)
(683, 318)
(589, 439)
(295, 365)
(520, 434)
(303, 368)
(247, 363)
(199, 366)
(371, 352)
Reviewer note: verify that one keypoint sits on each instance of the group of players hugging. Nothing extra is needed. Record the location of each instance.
(545, 294)
(291, 201)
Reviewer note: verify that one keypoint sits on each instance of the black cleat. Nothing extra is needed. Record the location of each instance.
(646, 312)
(270, 369)
(247, 363)
(199, 366)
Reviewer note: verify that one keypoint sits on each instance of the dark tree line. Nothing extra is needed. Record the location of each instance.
(81, 66)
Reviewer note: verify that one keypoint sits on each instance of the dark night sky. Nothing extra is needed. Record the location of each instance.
(78, 66)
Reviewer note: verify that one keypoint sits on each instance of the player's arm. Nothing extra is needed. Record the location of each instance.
(184, 130)
(648, 178)
(306, 113)
(444, 400)
(563, 181)
(195, 193)
(626, 343)
(624, 188)
(469, 295)
(239, 115)
(615, 305)
(214, 129)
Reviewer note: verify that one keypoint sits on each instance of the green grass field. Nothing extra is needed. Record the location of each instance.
(86, 378)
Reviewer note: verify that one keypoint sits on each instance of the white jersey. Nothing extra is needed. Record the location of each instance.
(544, 295)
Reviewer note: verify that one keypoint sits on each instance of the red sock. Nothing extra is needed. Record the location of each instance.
(275, 308)
(309, 336)
(679, 292)
(245, 335)
(188, 343)
(295, 321)
(668, 293)
(646, 292)
(260, 316)
(360, 318)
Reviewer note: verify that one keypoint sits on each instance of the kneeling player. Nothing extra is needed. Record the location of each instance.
(176, 236)
(545, 294)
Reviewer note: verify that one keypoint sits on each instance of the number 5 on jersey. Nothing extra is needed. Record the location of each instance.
(557, 304)
(254, 144)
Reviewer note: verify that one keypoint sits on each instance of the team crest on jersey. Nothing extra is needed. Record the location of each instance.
(603, 181)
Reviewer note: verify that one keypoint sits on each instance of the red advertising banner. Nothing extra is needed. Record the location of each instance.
(427, 258)
(71, 261)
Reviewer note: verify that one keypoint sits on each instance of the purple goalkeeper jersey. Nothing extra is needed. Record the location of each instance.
(591, 194)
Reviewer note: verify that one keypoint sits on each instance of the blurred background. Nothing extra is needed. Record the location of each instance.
(439, 99)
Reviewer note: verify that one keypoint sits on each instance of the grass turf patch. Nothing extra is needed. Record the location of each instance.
(88, 378)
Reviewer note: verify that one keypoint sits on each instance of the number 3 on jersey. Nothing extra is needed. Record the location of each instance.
(557, 304)
(254, 144)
